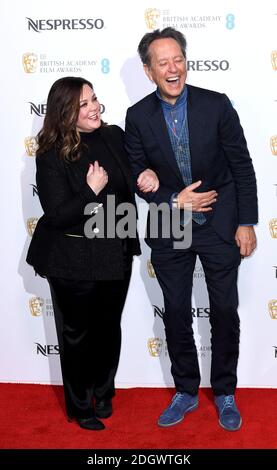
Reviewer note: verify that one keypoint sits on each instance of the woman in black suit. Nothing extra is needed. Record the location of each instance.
(81, 160)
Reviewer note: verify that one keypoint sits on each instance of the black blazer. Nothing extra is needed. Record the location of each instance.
(219, 157)
(64, 193)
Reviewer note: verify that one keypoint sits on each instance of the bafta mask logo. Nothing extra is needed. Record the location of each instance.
(274, 60)
(273, 228)
(152, 16)
(273, 145)
(272, 308)
(30, 146)
(155, 346)
(36, 304)
(31, 225)
(29, 60)
(150, 269)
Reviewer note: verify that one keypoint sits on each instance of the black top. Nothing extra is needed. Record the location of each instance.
(64, 194)
(95, 149)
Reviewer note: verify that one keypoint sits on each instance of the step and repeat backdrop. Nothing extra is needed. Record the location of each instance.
(232, 48)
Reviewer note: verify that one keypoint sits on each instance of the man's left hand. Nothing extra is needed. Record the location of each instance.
(246, 240)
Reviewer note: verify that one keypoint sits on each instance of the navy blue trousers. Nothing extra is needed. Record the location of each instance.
(174, 270)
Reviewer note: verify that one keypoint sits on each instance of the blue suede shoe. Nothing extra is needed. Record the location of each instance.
(229, 415)
(181, 404)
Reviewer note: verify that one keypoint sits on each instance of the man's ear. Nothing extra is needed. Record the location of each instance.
(147, 70)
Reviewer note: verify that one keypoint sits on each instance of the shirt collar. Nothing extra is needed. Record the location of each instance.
(181, 100)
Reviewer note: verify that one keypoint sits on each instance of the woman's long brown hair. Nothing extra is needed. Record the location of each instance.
(59, 127)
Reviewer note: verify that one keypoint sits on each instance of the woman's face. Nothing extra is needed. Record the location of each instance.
(89, 114)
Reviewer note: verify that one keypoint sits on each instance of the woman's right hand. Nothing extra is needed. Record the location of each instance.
(97, 177)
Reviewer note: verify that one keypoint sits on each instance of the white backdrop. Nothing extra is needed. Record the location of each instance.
(232, 48)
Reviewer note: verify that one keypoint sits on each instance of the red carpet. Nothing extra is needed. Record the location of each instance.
(32, 417)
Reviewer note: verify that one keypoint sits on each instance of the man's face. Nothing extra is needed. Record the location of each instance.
(168, 68)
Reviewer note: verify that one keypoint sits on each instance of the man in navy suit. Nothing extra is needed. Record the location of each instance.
(192, 139)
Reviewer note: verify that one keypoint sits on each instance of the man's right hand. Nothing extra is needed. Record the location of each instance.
(197, 202)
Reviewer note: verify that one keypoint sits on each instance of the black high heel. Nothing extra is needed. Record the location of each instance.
(92, 424)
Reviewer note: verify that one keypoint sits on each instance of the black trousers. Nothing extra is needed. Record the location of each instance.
(174, 270)
(88, 315)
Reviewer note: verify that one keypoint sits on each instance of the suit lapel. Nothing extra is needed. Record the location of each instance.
(197, 125)
(159, 128)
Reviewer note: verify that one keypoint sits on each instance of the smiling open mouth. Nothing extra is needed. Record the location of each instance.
(172, 80)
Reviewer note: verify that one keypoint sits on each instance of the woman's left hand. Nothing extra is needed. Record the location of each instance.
(148, 181)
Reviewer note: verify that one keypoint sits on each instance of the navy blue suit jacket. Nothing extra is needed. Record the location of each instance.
(219, 157)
